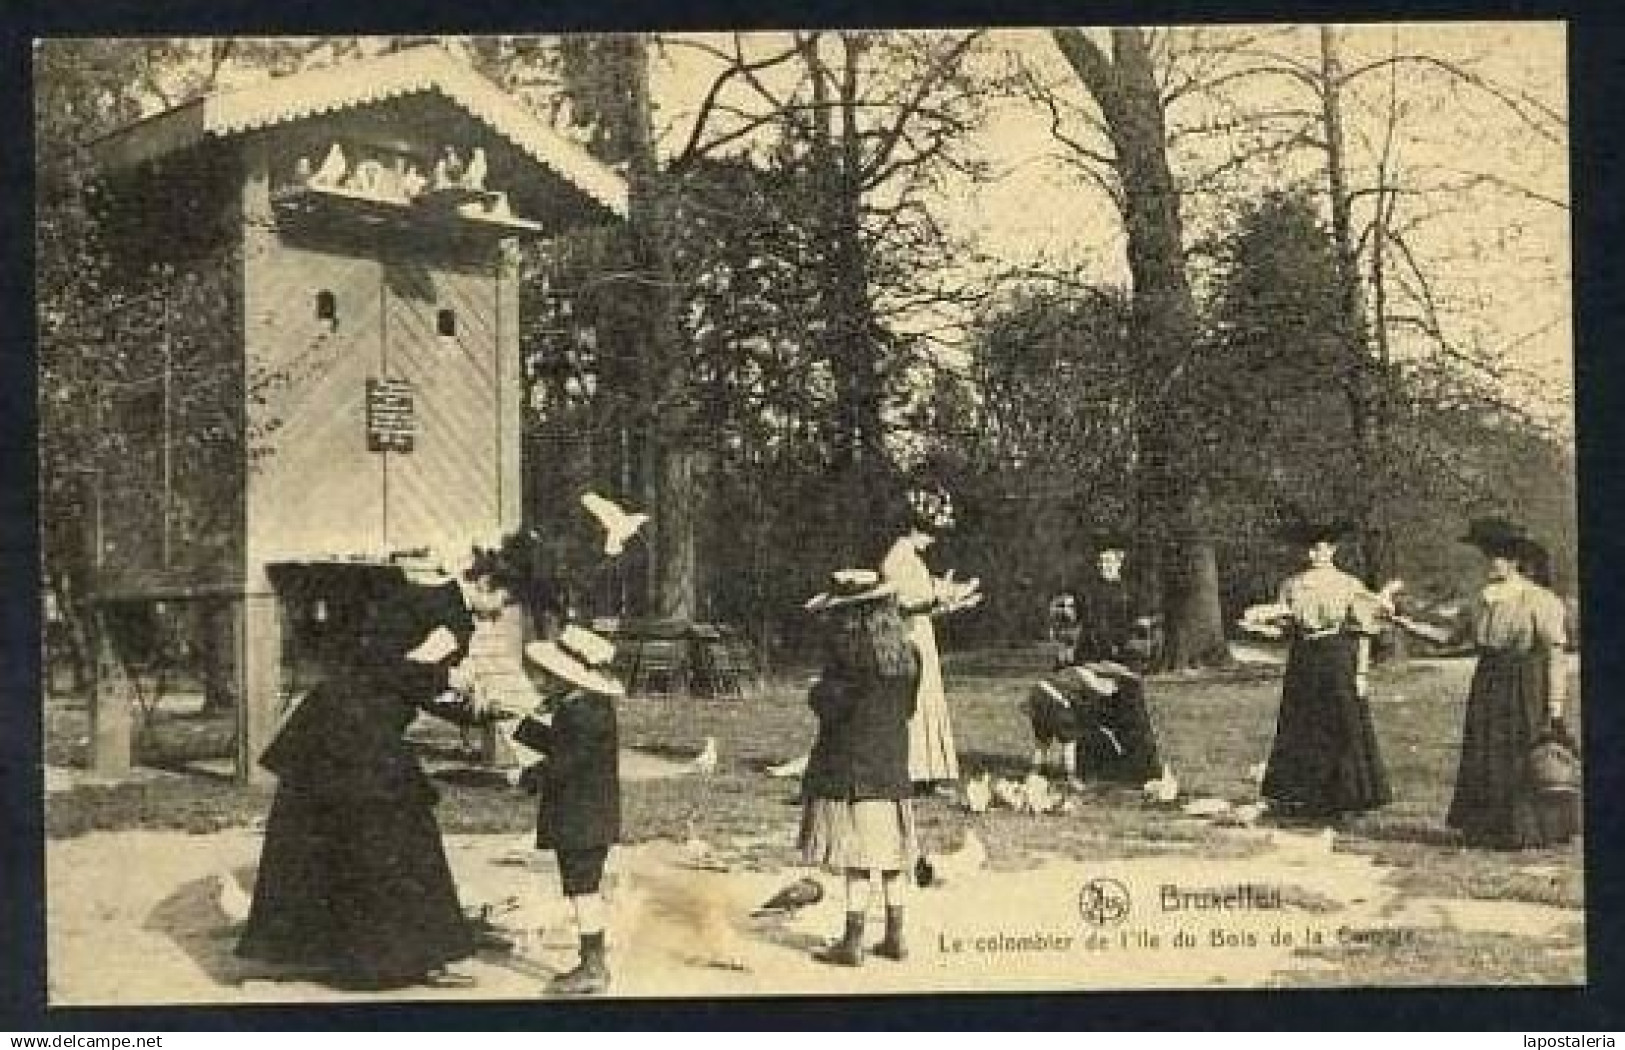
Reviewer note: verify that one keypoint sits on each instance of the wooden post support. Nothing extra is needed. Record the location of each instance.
(508, 635)
(112, 703)
(257, 637)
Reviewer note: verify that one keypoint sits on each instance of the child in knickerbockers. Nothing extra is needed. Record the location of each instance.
(578, 779)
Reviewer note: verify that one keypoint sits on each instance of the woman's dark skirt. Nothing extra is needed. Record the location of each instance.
(1118, 743)
(1495, 805)
(1325, 760)
(356, 887)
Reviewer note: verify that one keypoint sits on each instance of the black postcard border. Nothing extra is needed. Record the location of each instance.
(1597, 68)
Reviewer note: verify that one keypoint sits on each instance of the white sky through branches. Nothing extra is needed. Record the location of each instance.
(1479, 153)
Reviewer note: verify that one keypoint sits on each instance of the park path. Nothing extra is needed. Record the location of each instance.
(134, 917)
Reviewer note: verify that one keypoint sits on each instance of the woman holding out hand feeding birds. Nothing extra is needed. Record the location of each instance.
(353, 878)
(932, 757)
(1325, 762)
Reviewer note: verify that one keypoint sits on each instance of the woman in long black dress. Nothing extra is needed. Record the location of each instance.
(1519, 686)
(1325, 762)
(353, 879)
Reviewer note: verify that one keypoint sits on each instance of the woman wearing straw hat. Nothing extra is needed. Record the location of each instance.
(857, 815)
(579, 815)
(1519, 686)
(1324, 762)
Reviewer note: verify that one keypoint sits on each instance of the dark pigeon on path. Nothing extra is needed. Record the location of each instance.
(799, 894)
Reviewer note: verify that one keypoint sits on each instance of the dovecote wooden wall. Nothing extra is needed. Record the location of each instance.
(327, 369)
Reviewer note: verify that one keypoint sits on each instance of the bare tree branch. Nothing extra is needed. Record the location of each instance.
(745, 70)
(1532, 111)
(939, 71)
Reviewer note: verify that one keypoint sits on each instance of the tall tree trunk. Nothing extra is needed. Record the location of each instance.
(669, 415)
(1351, 307)
(1174, 494)
(836, 154)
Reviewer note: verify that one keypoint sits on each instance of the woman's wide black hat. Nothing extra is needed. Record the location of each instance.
(1306, 530)
(1496, 537)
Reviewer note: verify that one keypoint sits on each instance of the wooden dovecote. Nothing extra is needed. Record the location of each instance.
(316, 310)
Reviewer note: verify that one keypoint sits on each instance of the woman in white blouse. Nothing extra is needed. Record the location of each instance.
(1519, 686)
(932, 759)
(1325, 762)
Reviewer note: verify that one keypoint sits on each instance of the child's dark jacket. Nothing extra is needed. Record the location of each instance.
(862, 746)
(580, 805)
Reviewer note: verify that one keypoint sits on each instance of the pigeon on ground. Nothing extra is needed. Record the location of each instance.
(619, 525)
(799, 894)
(1163, 789)
(704, 763)
(791, 769)
(1038, 795)
(232, 900)
(1010, 794)
(979, 792)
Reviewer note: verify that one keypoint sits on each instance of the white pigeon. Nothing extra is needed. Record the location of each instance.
(333, 168)
(1037, 795)
(1009, 794)
(791, 769)
(1163, 789)
(704, 763)
(619, 526)
(474, 177)
(412, 182)
(979, 792)
(964, 861)
(232, 900)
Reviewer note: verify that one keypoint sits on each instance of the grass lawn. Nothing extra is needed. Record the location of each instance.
(1212, 727)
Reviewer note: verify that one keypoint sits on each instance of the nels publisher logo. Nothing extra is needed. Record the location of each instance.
(1103, 902)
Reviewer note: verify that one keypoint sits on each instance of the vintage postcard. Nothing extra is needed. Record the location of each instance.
(806, 513)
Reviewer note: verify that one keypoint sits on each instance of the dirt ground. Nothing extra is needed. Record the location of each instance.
(678, 929)
(138, 916)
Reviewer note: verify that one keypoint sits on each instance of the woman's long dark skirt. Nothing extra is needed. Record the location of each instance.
(356, 887)
(1118, 743)
(1494, 803)
(1325, 760)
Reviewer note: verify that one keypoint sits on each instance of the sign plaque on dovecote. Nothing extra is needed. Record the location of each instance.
(390, 422)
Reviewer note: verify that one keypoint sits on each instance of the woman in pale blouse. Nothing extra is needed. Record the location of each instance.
(932, 758)
(1519, 685)
(1325, 761)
